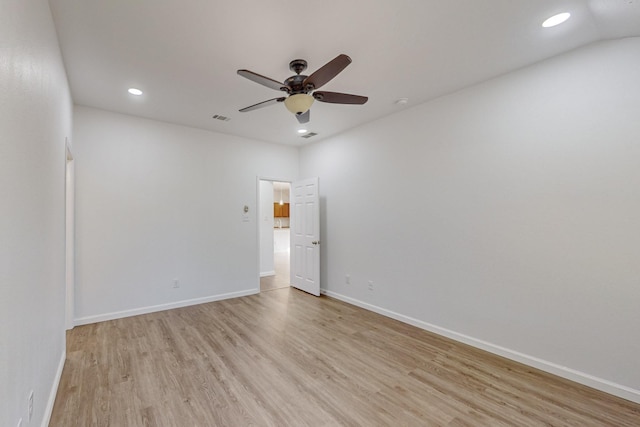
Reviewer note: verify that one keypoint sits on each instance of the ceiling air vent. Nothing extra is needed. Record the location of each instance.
(309, 135)
(222, 118)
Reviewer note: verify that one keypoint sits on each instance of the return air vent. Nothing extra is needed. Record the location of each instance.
(309, 135)
(221, 118)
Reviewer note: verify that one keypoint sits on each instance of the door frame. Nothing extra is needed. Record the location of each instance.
(70, 226)
(259, 217)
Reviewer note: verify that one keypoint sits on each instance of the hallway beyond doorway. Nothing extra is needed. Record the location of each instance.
(281, 278)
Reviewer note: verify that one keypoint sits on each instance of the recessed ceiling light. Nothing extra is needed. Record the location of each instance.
(302, 131)
(556, 20)
(134, 91)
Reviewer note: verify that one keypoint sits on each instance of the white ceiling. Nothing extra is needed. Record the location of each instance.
(281, 186)
(281, 190)
(184, 54)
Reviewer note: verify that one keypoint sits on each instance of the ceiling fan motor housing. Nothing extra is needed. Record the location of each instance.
(295, 84)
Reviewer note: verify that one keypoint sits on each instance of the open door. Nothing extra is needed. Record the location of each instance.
(305, 236)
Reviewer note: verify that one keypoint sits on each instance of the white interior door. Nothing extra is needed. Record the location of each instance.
(305, 236)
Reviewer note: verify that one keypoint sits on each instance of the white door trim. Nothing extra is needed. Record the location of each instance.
(70, 225)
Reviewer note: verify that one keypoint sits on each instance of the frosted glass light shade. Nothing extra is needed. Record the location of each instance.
(298, 103)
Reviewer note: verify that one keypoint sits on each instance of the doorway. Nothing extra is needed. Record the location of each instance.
(274, 232)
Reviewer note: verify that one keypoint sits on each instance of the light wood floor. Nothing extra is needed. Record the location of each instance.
(285, 358)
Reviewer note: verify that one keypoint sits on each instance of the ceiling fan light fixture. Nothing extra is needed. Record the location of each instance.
(298, 103)
(301, 88)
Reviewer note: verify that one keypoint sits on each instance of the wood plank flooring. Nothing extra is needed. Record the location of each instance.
(285, 358)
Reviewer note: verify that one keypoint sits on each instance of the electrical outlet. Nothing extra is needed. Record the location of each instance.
(347, 279)
(176, 283)
(30, 405)
(370, 285)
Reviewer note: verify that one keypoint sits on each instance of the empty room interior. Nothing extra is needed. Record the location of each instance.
(320, 213)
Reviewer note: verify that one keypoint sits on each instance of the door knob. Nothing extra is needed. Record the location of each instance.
(316, 242)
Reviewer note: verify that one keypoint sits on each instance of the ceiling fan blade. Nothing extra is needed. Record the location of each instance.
(262, 104)
(340, 98)
(327, 71)
(304, 117)
(265, 81)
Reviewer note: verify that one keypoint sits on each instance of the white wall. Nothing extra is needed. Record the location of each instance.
(507, 212)
(35, 118)
(158, 202)
(266, 229)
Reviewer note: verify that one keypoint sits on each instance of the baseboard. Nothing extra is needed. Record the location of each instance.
(54, 391)
(544, 365)
(152, 309)
(268, 273)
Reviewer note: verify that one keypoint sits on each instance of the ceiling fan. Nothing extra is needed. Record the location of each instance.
(301, 89)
